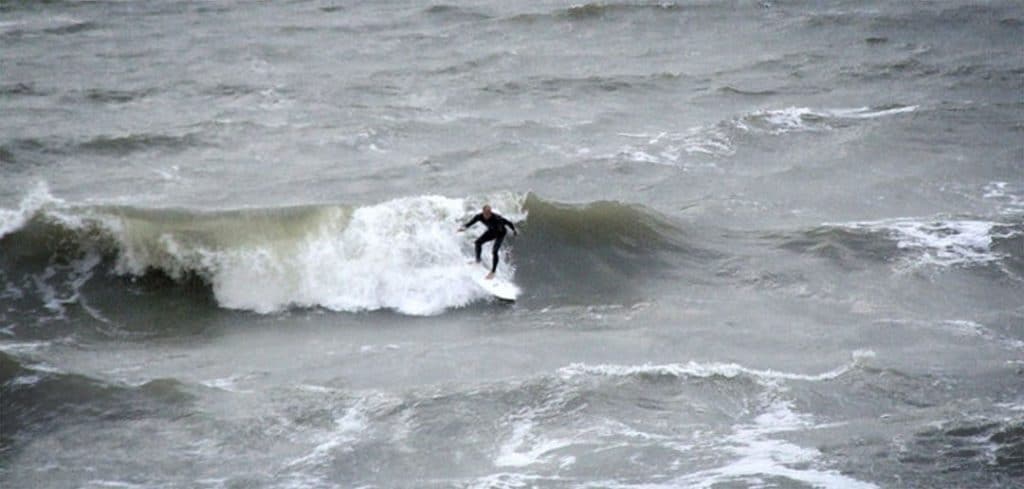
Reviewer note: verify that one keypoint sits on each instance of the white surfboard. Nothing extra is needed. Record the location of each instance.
(497, 286)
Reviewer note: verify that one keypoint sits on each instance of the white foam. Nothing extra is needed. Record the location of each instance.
(11, 291)
(1012, 406)
(757, 454)
(964, 327)
(761, 455)
(669, 148)
(867, 113)
(38, 198)
(612, 428)
(781, 121)
(1010, 197)
(524, 447)
(504, 480)
(72, 277)
(703, 370)
(942, 242)
(995, 190)
(805, 119)
(23, 348)
(402, 254)
(318, 389)
(229, 384)
(347, 429)
(24, 380)
(538, 448)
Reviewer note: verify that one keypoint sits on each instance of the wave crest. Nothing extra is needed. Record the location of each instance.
(402, 255)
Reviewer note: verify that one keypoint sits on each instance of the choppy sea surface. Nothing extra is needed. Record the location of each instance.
(762, 244)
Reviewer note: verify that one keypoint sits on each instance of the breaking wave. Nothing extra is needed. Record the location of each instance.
(911, 243)
(402, 255)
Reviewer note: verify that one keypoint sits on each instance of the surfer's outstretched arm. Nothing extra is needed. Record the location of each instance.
(477, 218)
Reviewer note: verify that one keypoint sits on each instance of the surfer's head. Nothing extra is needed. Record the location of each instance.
(487, 211)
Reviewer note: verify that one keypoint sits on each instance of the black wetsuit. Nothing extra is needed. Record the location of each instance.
(495, 230)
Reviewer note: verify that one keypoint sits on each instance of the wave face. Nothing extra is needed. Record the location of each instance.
(402, 255)
(573, 252)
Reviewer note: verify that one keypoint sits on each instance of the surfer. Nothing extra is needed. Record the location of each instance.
(495, 231)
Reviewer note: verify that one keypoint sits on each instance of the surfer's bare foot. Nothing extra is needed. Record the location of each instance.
(489, 276)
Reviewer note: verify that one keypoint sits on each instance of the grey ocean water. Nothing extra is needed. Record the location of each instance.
(763, 244)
